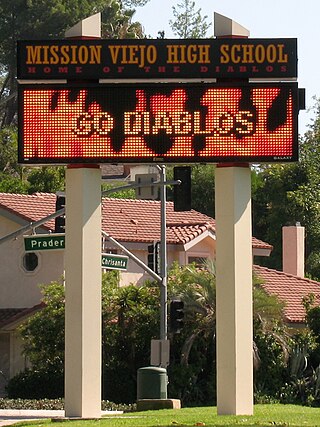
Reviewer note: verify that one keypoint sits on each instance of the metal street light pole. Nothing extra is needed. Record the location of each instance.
(163, 258)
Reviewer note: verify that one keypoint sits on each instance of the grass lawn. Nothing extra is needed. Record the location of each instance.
(264, 415)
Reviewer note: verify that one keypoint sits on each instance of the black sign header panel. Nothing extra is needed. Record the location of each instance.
(157, 59)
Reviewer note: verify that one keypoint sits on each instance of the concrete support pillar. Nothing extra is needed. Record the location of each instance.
(234, 291)
(83, 293)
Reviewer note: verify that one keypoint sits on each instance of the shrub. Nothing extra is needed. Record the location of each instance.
(58, 404)
(33, 384)
(271, 374)
(129, 323)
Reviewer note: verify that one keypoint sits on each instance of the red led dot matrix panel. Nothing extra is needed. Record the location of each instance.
(168, 123)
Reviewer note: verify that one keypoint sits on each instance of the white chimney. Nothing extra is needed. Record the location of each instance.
(293, 250)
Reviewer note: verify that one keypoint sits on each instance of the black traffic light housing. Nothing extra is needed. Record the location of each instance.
(153, 257)
(182, 192)
(176, 316)
(60, 221)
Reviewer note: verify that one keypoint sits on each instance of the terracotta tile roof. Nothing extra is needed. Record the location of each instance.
(6, 314)
(256, 243)
(290, 289)
(10, 315)
(125, 220)
(139, 221)
(30, 207)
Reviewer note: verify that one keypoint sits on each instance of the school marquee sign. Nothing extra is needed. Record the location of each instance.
(163, 100)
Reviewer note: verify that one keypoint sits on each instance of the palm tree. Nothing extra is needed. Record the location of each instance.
(196, 286)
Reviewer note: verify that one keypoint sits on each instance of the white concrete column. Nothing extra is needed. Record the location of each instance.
(83, 292)
(234, 291)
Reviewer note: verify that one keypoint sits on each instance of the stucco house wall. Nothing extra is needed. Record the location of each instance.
(19, 287)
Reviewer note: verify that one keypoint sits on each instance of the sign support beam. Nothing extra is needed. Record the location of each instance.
(233, 275)
(234, 291)
(83, 329)
(83, 293)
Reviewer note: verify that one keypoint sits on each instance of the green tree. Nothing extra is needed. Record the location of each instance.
(130, 321)
(46, 179)
(8, 151)
(289, 193)
(188, 22)
(11, 177)
(121, 194)
(43, 333)
(274, 206)
(313, 322)
(302, 383)
(12, 184)
(134, 3)
(196, 287)
(202, 188)
(17, 179)
(117, 19)
(272, 344)
(202, 193)
(40, 19)
(194, 349)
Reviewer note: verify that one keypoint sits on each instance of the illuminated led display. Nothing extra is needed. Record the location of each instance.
(170, 123)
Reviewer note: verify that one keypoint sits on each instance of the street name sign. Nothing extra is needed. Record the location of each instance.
(44, 242)
(114, 262)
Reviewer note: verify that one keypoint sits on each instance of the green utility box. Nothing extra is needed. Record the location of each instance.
(152, 383)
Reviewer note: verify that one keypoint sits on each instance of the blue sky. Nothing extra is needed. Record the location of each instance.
(266, 19)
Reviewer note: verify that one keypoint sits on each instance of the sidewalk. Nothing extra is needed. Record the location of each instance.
(12, 416)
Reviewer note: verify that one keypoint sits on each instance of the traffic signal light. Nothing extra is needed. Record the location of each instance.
(60, 221)
(176, 316)
(153, 257)
(182, 192)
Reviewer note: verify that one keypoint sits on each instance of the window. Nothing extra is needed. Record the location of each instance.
(30, 261)
(197, 260)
